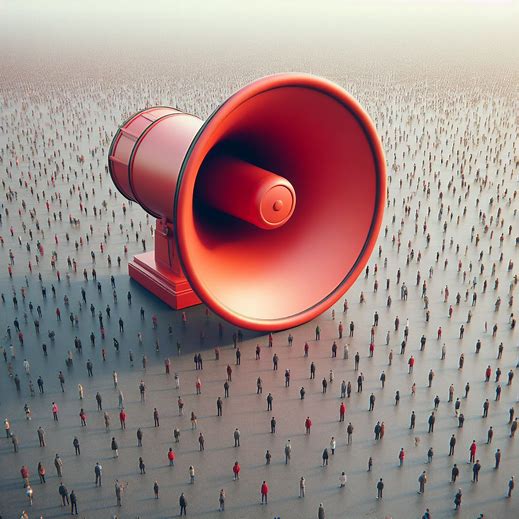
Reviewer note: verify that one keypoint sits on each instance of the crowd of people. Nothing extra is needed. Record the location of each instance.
(427, 337)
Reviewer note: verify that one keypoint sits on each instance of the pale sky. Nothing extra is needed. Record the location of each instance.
(458, 31)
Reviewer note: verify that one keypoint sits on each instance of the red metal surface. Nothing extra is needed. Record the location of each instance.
(307, 131)
(243, 190)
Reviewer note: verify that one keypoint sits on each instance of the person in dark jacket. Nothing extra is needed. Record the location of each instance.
(457, 499)
(183, 504)
(73, 503)
(455, 473)
(63, 492)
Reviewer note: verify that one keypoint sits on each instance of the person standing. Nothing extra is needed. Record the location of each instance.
(115, 447)
(55, 410)
(58, 463)
(118, 492)
(320, 512)
(475, 471)
(41, 436)
(156, 489)
(171, 457)
(413, 420)
(511, 485)
(422, 479)
(472, 449)
(237, 436)
(302, 486)
(457, 499)
(77, 449)
(236, 470)
(63, 492)
(401, 456)
(99, 401)
(430, 454)
(98, 471)
(268, 457)
(380, 488)
(122, 418)
(41, 472)
(264, 492)
(498, 458)
(24, 471)
(221, 500)
(431, 421)
(342, 411)
(349, 431)
(452, 444)
(325, 457)
(73, 503)
(288, 452)
(333, 445)
(455, 473)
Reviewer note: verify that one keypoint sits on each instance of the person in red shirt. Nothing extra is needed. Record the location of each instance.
(308, 425)
(488, 374)
(264, 492)
(411, 364)
(342, 412)
(472, 449)
(236, 470)
(24, 471)
(401, 456)
(83, 417)
(171, 457)
(122, 418)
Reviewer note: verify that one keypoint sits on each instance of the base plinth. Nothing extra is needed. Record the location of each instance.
(171, 288)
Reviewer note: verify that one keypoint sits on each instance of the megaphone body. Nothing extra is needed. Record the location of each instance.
(268, 211)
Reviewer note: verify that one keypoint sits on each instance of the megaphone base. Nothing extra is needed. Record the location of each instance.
(172, 289)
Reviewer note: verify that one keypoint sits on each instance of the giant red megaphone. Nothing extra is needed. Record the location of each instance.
(267, 211)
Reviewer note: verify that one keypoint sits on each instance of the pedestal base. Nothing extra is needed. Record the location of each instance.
(174, 290)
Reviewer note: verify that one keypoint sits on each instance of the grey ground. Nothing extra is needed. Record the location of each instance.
(415, 117)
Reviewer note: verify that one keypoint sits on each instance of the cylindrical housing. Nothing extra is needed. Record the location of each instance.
(145, 161)
(146, 156)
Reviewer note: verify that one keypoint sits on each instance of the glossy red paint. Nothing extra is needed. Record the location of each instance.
(227, 190)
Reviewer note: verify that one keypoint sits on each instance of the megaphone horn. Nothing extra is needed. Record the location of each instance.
(229, 231)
